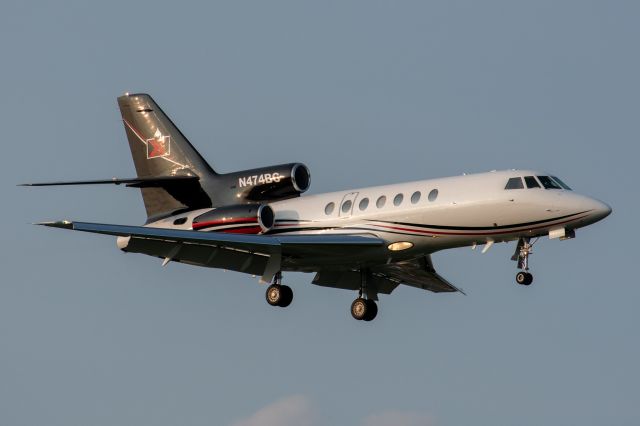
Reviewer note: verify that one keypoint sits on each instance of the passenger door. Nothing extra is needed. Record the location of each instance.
(347, 204)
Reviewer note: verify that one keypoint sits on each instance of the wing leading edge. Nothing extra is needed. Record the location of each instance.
(259, 254)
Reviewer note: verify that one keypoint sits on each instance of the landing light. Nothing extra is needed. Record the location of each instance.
(400, 245)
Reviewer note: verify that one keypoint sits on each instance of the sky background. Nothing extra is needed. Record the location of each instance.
(364, 93)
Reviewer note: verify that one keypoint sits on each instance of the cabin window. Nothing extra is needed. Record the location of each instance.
(364, 203)
(381, 201)
(346, 206)
(548, 183)
(531, 182)
(562, 184)
(415, 197)
(180, 221)
(329, 208)
(514, 183)
(397, 200)
(433, 195)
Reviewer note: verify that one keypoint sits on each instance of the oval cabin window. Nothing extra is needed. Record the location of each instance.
(329, 208)
(415, 197)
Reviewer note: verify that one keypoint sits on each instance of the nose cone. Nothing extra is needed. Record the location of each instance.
(600, 210)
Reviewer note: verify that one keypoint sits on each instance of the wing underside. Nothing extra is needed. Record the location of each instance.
(418, 273)
(253, 254)
(384, 279)
(263, 255)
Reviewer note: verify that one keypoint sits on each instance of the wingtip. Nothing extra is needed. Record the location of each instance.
(64, 224)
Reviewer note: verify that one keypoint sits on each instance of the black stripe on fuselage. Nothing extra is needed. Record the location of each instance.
(441, 227)
(480, 228)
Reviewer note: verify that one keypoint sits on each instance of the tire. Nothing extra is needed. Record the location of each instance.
(274, 295)
(521, 278)
(359, 309)
(372, 310)
(524, 278)
(286, 296)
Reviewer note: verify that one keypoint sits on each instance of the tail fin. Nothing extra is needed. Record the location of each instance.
(159, 149)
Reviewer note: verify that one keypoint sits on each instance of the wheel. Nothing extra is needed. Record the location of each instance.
(286, 296)
(274, 294)
(359, 309)
(529, 279)
(524, 278)
(372, 310)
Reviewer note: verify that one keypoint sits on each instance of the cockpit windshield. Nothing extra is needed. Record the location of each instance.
(549, 183)
(514, 183)
(562, 184)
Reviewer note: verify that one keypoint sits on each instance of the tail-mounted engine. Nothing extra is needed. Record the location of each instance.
(271, 183)
(238, 219)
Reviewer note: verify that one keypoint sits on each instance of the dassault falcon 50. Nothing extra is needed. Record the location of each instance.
(368, 240)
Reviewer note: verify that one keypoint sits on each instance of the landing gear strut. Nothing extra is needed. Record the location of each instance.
(523, 250)
(279, 294)
(364, 309)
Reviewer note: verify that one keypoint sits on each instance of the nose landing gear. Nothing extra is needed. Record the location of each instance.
(523, 250)
(524, 278)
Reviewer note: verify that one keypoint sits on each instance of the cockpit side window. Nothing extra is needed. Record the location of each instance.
(531, 182)
(514, 183)
(548, 183)
(562, 184)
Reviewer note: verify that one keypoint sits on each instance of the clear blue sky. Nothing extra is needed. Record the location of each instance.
(364, 93)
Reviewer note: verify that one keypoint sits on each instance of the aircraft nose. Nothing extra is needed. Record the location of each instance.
(600, 210)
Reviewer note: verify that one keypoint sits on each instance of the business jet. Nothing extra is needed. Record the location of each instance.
(368, 240)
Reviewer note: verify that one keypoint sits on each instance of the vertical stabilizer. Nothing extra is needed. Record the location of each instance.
(159, 149)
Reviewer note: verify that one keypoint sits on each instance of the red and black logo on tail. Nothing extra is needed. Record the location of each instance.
(158, 146)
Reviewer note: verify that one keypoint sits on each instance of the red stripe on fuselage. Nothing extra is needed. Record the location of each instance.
(242, 230)
(200, 225)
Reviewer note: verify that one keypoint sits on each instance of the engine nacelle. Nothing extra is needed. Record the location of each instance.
(271, 183)
(237, 219)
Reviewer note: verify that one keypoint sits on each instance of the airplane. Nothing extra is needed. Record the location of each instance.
(368, 240)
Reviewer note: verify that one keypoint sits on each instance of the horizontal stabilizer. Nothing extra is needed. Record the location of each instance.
(138, 182)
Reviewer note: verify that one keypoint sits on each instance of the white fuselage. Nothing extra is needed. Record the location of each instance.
(461, 211)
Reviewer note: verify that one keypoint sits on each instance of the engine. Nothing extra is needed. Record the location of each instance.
(271, 183)
(237, 219)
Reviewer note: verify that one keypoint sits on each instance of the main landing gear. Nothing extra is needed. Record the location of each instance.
(364, 309)
(279, 294)
(523, 250)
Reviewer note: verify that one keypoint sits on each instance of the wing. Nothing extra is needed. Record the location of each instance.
(418, 273)
(254, 254)
(385, 278)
